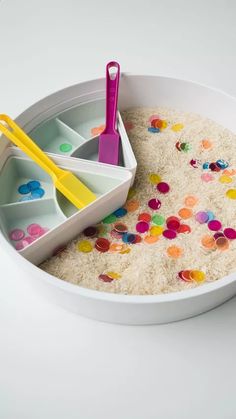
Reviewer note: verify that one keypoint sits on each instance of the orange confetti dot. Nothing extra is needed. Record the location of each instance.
(206, 144)
(132, 205)
(222, 243)
(174, 252)
(97, 130)
(190, 201)
(151, 239)
(229, 172)
(208, 242)
(116, 247)
(185, 213)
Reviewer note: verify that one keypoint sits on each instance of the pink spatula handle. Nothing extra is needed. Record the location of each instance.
(112, 85)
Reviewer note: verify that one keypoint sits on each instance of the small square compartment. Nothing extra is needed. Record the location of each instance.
(85, 117)
(55, 137)
(20, 216)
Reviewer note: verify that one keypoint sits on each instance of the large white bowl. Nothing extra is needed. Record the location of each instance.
(134, 91)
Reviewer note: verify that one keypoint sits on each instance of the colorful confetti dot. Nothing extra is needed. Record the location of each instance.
(231, 193)
(185, 213)
(158, 219)
(142, 227)
(156, 230)
(84, 246)
(154, 204)
(190, 201)
(174, 252)
(163, 187)
(154, 178)
(177, 127)
(132, 205)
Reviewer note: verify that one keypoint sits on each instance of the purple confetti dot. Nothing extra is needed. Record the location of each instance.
(202, 217)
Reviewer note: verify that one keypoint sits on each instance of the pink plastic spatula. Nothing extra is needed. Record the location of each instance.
(109, 139)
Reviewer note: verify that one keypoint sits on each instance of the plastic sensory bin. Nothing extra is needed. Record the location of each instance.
(36, 220)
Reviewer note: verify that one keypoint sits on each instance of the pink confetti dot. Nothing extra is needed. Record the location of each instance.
(169, 234)
(214, 225)
(154, 204)
(163, 187)
(230, 233)
(17, 234)
(142, 227)
(207, 177)
(19, 245)
(35, 230)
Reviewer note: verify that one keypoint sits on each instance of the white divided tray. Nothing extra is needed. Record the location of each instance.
(67, 138)
(68, 117)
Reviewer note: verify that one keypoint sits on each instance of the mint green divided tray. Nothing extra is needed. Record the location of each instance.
(53, 211)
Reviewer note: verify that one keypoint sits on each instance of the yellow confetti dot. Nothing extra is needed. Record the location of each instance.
(84, 246)
(197, 276)
(225, 179)
(113, 275)
(164, 124)
(177, 127)
(154, 178)
(231, 193)
(131, 193)
(156, 230)
(127, 250)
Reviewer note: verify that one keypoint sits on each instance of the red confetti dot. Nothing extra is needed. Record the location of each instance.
(184, 228)
(105, 278)
(102, 245)
(173, 224)
(144, 216)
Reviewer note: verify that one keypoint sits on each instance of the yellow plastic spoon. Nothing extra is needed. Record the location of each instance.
(67, 183)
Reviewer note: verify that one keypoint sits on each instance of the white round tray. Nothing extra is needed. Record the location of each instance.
(147, 91)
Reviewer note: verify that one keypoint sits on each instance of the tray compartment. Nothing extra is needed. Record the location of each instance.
(17, 172)
(21, 215)
(89, 151)
(56, 137)
(85, 117)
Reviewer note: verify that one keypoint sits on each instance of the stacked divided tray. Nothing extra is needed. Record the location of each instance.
(34, 216)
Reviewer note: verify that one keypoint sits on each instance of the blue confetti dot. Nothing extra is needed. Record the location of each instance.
(23, 189)
(37, 193)
(120, 212)
(206, 165)
(222, 164)
(33, 184)
(152, 129)
(211, 216)
(128, 238)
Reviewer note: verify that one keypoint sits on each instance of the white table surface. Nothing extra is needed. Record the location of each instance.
(54, 364)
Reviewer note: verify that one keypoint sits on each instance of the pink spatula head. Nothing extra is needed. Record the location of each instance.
(109, 140)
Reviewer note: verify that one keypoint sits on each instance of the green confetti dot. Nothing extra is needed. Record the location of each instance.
(158, 219)
(65, 148)
(109, 219)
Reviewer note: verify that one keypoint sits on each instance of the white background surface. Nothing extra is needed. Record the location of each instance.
(54, 364)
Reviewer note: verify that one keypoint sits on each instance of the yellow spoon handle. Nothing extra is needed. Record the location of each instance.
(24, 142)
